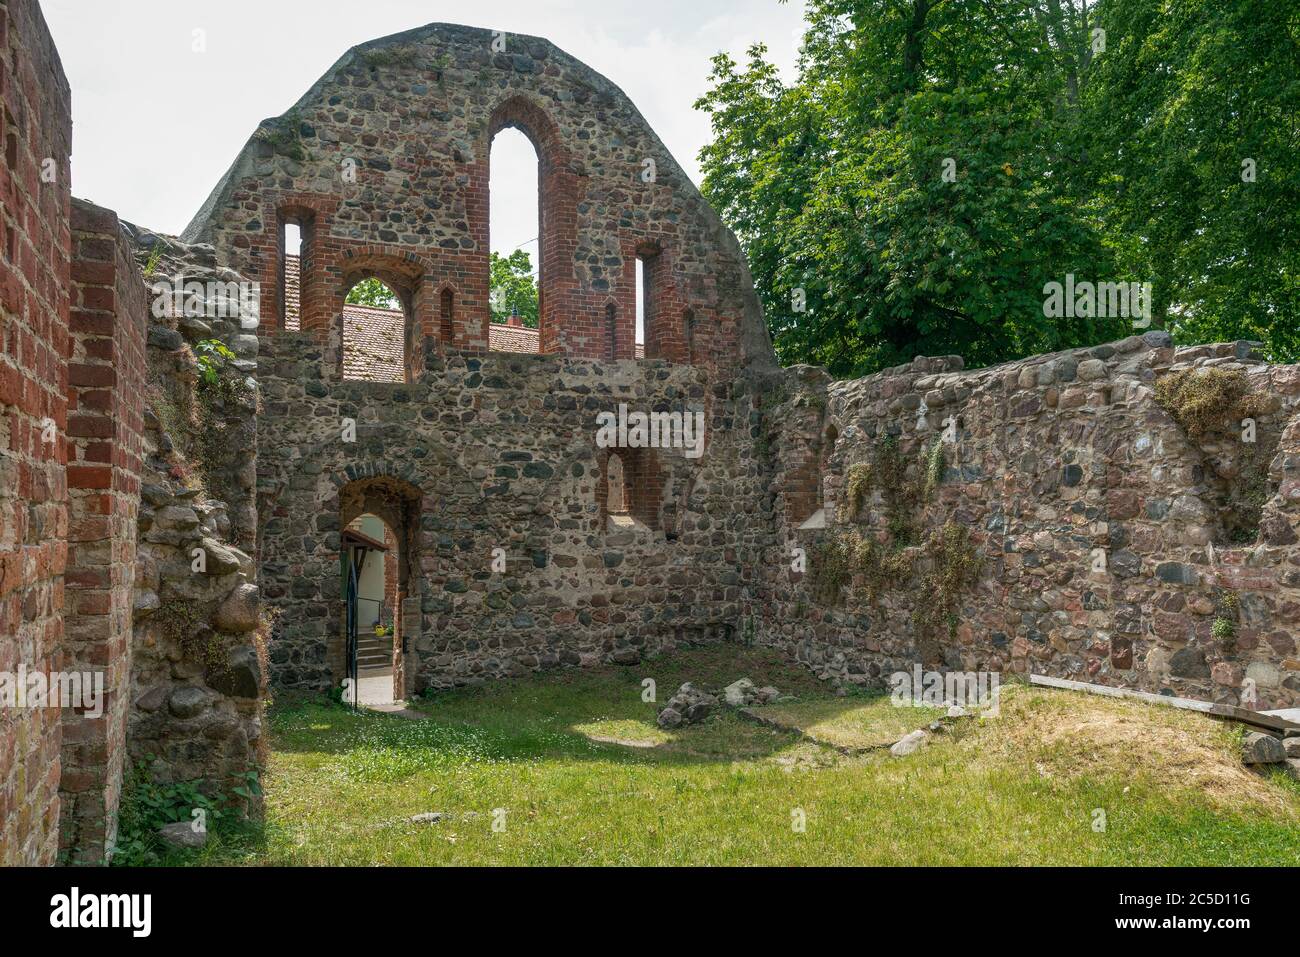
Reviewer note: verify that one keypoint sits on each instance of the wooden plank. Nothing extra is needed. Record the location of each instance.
(1257, 719)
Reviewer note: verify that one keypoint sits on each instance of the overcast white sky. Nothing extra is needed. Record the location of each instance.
(155, 124)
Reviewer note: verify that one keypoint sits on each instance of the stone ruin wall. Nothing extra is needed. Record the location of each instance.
(384, 166)
(1056, 456)
(82, 559)
(497, 451)
(199, 657)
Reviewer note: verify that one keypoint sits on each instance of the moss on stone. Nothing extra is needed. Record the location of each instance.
(1207, 401)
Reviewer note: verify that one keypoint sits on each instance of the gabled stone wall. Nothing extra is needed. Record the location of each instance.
(384, 164)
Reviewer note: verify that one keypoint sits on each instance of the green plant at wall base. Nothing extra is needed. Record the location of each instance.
(147, 806)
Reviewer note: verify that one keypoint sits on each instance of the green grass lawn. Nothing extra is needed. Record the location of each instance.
(586, 777)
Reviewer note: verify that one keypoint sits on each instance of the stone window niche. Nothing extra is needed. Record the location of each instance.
(515, 184)
(630, 492)
(294, 270)
(373, 341)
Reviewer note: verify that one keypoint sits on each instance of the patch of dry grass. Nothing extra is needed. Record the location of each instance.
(1076, 735)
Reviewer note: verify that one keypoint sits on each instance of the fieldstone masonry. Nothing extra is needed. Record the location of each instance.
(1047, 515)
(1097, 523)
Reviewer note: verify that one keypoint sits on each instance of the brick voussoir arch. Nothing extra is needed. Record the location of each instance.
(402, 261)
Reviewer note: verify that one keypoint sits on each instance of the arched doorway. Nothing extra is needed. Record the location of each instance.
(373, 654)
(373, 612)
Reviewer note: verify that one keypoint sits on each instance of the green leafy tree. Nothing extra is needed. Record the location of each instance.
(513, 287)
(1193, 121)
(373, 293)
(938, 162)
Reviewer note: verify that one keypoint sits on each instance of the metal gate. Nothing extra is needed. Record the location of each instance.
(353, 559)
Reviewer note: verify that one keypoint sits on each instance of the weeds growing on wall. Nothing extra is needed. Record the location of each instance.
(393, 56)
(857, 486)
(1208, 402)
(903, 495)
(198, 421)
(842, 556)
(1227, 608)
(284, 136)
(954, 566)
(185, 625)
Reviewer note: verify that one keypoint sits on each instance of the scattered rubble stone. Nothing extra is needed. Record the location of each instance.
(909, 743)
(688, 706)
(182, 834)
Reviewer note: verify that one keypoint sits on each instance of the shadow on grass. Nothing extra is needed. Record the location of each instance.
(597, 714)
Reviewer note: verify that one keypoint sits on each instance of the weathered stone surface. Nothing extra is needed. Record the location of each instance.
(740, 694)
(239, 612)
(689, 705)
(182, 834)
(242, 675)
(909, 744)
(1260, 748)
(187, 702)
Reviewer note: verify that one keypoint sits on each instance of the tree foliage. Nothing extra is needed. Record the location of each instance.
(372, 293)
(513, 288)
(938, 162)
